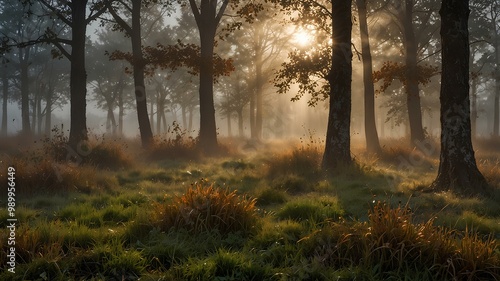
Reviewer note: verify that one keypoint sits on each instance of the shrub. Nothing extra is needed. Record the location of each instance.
(108, 155)
(303, 162)
(206, 207)
(175, 143)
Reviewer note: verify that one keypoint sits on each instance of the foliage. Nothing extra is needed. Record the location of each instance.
(310, 70)
(391, 71)
(206, 207)
(174, 57)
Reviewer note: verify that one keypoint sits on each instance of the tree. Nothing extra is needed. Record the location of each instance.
(74, 15)
(338, 135)
(371, 135)
(330, 61)
(5, 96)
(133, 30)
(208, 17)
(413, 26)
(457, 166)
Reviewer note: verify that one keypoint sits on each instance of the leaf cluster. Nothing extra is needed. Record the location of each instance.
(391, 71)
(174, 57)
(309, 69)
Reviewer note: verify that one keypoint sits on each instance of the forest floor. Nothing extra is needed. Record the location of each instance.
(261, 211)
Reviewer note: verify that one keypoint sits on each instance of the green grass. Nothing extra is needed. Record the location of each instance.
(269, 216)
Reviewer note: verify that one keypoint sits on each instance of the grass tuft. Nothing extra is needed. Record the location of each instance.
(205, 207)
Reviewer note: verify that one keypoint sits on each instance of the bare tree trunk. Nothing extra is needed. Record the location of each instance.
(25, 109)
(207, 27)
(229, 133)
(5, 93)
(253, 127)
(34, 115)
(338, 137)
(160, 109)
(412, 90)
(120, 104)
(151, 115)
(140, 88)
(496, 106)
(78, 75)
(190, 124)
(371, 135)
(48, 110)
(258, 94)
(457, 166)
(240, 123)
(473, 113)
(39, 110)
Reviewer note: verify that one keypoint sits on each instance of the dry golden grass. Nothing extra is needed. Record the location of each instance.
(206, 207)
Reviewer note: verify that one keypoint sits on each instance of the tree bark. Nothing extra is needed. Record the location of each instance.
(5, 95)
(338, 137)
(140, 88)
(207, 25)
(25, 92)
(251, 116)
(78, 75)
(48, 110)
(371, 135)
(457, 167)
(474, 115)
(240, 123)
(120, 106)
(412, 90)
(259, 83)
(496, 107)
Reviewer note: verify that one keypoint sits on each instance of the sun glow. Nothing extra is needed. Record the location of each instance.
(303, 37)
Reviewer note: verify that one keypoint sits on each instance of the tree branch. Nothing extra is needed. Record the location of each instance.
(196, 12)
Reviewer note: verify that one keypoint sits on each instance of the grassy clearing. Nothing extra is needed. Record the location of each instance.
(245, 215)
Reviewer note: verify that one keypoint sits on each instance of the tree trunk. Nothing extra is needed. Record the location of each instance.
(152, 115)
(48, 110)
(78, 75)
(259, 81)
(253, 127)
(190, 123)
(120, 104)
(184, 117)
(160, 109)
(338, 137)
(35, 112)
(5, 95)
(140, 88)
(229, 133)
(474, 115)
(496, 106)
(39, 110)
(25, 92)
(412, 90)
(240, 123)
(371, 135)
(457, 167)
(207, 27)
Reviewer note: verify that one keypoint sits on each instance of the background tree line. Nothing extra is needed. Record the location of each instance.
(194, 60)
